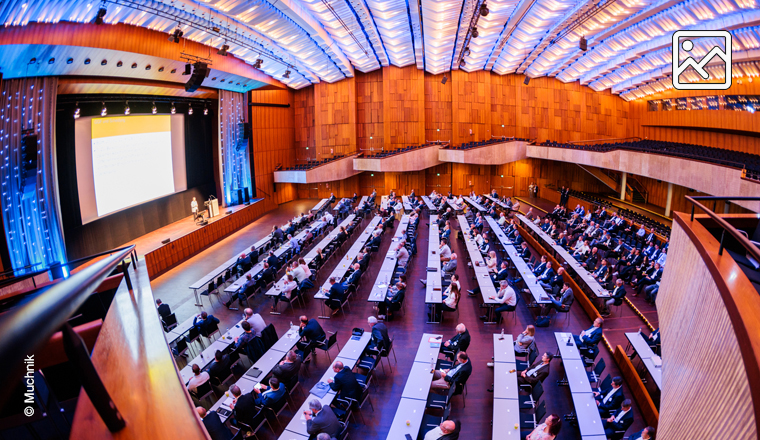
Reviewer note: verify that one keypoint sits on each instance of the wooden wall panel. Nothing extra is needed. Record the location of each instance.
(341, 188)
(658, 194)
(438, 178)
(272, 131)
(369, 111)
(335, 118)
(438, 118)
(712, 128)
(715, 394)
(404, 111)
(471, 106)
(305, 142)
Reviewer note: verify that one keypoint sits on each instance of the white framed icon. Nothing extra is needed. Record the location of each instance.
(682, 40)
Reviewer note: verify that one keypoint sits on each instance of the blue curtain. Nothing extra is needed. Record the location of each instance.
(235, 161)
(31, 217)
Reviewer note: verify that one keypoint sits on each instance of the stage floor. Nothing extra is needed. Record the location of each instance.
(152, 241)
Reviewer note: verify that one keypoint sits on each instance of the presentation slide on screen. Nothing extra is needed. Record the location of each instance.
(131, 160)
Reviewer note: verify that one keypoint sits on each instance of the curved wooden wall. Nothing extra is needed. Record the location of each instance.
(708, 321)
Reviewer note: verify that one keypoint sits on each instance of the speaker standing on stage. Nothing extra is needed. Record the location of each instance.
(194, 208)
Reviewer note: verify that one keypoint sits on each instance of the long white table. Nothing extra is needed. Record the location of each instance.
(384, 202)
(647, 356)
(411, 408)
(235, 286)
(454, 206)
(320, 206)
(345, 263)
(407, 204)
(487, 289)
(434, 285)
(341, 202)
(497, 201)
(587, 413)
(265, 364)
(475, 204)
(506, 401)
(429, 203)
(539, 294)
(296, 429)
(205, 358)
(385, 274)
(591, 282)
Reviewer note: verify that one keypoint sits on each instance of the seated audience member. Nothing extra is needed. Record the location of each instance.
(537, 372)
(287, 370)
(610, 399)
(311, 334)
(354, 275)
(257, 322)
(216, 429)
(321, 420)
(402, 255)
(335, 295)
(547, 430)
(242, 406)
(590, 337)
(198, 379)
(287, 290)
(459, 342)
(566, 299)
(205, 322)
(647, 433)
(554, 284)
(616, 297)
(163, 309)
(620, 420)
(242, 293)
(266, 276)
(506, 297)
(245, 338)
(451, 301)
(220, 367)
(273, 261)
(243, 263)
(380, 339)
(394, 298)
(270, 395)
(345, 383)
(444, 250)
(448, 429)
(318, 259)
(457, 374)
(522, 343)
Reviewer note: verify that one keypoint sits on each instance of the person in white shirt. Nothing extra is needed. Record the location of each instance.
(445, 428)
(257, 322)
(402, 255)
(450, 302)
(194, 208)
(294, 244)
(198, 379)
(641, 232)
(328, 217)
(444, 250)
(492, 262)
(305, 267)
(287, 290)
(662, 258)
(506, 297)
(298, 273)
(502, 219)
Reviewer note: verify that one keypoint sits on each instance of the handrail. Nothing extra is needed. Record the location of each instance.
(27, 327)
(744, 241)
(604, 140)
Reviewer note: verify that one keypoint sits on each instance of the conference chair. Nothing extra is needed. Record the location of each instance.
(524, 365)
(194, 335)
(439, 403)
(169, 322)
(530, 401)
(277, 408)
(343, 435)
(202, 392)
(533, 420)
(325, 346)
(596, 374)
(210, 331)
(180, 348)
(258, 421)
(606, 383)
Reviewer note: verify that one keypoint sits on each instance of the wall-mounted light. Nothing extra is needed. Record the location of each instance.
(77, 112)
(174, 110)
(153, 109)
(190, 109)
(127, 111)
(104, 110)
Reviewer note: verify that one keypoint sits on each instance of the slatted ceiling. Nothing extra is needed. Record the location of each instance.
(395, 27)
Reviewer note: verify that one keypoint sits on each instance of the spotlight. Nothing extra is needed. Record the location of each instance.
(147, 67)
(257, 63)
(87, 61)
(51, 61)
(462, 63)
(134, 65)
(483, 9)
(119, 64)
(153, 109)
(583, 44)
(443, 81)
(103, 111)
(223, 50)
(287, 74)
(161, 69)
(190, 109)
(174, 110)
(526, 81)
(205, 110)
(33, 61)
(101, 13)
(126, 109)
(475, 32)
(77, 112)
(104, 62)
(466, 51)
(176, 35)
(70, 60)
(173, 71)
(188, 69)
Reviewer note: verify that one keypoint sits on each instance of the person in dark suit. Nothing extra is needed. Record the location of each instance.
(591, 336)
(616, 297)
(220, 368)
(269, 397)
(354, 277)
(163, 309)
(619, 420)
(566, 299)
(205, 322)
(653, 276)
(243, 406)
(647, 433)
(345, 383)
(457, 375)
(610, 399)
(376, 240)
(537, 372)
(273, 261)
(253, 256)
(458, 342)
(332, 199)
(380, 339)
(335, 295)
(265, 277)
(311, 333)
(546, 275)
(321, 419)
(216, 429)
(287, 370)
(277, 234)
